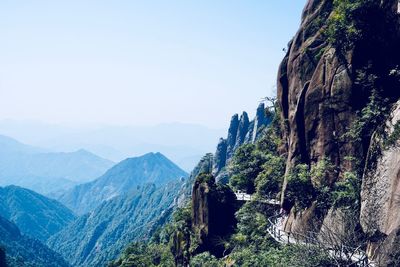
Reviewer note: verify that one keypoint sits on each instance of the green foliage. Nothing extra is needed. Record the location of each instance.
(300, 191)
(34, 214)
(25, 251)
(183, 241)
(299, 256)
(143, 255)
(346, 193)
(252, 226)
(115, 224)
(269, 180)
(247, 257)
(342, 29)
(257, 168)
(370, 117)
(294, 255)
(394, 136)
(320, 171)
(323, 200)
(205, 178)
(205, 260)
(246, 165)
(345, 25)
(169, 246)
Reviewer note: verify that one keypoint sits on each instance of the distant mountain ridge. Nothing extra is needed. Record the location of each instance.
(183, 143)
(45, 171)
(123, 178)
(34, 214)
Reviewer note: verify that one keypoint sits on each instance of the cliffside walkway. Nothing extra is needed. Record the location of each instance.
(340, 252)
(247, 197)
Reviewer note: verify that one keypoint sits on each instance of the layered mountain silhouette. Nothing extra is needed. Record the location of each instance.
(125, 177)
(46, 172)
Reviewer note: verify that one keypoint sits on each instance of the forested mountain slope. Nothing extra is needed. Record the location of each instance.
(100, 236)
(35, 215)
(24, 251)
(124, 177)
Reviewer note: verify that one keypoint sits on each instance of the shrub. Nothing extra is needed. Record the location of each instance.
(205, 260)
(347, 192)
(269, 181)
(299, 190)
(246, 165)
(345, 25)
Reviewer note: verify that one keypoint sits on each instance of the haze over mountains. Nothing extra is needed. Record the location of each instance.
(128, 202)
(126, 176)
(183, 143)
(44, 171)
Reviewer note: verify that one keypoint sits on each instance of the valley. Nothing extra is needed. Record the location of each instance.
(307, 176)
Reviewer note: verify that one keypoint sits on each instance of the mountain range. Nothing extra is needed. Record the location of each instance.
(183, 143)
(124, 177)
(45, 171)
(129, 202)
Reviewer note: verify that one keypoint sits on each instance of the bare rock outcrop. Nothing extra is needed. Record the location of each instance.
(380, 206)
(241, 131)
(320, 99)
(213, 213)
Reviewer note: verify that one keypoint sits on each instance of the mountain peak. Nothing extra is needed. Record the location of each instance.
(124, 177)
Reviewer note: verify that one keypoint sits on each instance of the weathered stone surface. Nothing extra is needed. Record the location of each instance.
(220, 156)
(213, 213)
(241, 131)
(315, 96)
(380, 206)
(260, 121)
(319, 98)
(232, 134)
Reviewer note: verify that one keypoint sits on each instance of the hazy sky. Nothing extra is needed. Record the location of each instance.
(140, 62)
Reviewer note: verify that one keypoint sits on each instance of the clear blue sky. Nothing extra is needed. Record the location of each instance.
(140, 62)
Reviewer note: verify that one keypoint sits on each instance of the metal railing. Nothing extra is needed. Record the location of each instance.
(356, 255)
(247, 197)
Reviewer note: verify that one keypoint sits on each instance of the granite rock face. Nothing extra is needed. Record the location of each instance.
(380, 206)
(232, 134)
(241, 131)
(320, 98)
(220, 156)
(315, 96)
(213, 213)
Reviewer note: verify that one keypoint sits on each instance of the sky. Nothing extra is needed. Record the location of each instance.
(125, 62)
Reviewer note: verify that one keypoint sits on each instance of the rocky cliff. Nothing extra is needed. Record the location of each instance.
(213, 213)
(241, 131)
(342, 61)
(380, 209)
